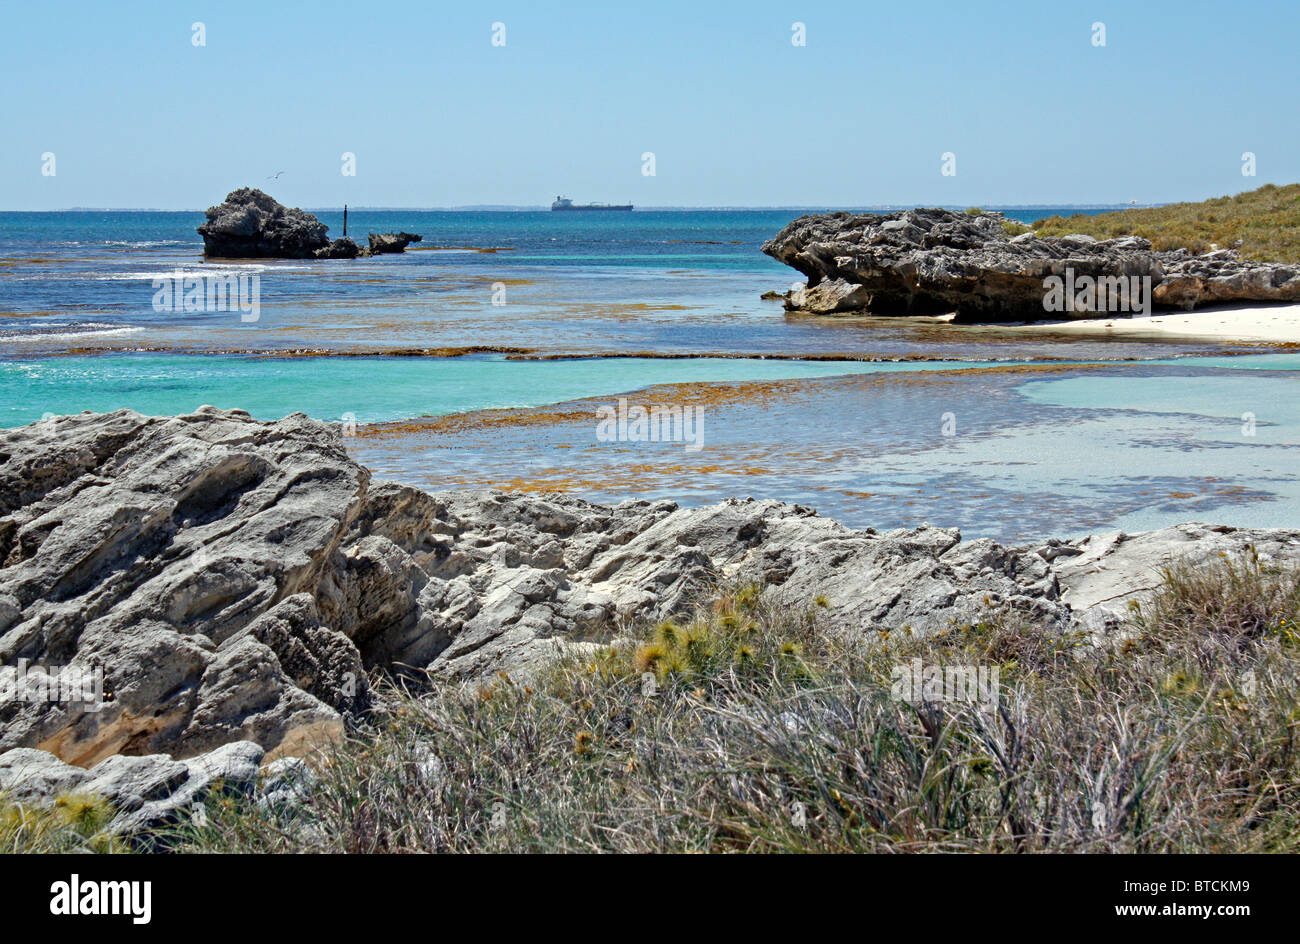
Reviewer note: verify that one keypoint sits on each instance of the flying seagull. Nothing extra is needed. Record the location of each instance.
(275, 175)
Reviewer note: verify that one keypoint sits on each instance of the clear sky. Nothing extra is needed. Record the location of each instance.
(136, 115)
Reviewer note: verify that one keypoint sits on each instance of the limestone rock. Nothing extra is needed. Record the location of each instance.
(148, 550)
(253, 225)
(391, 242)
(235, 582)
(147, 792)
(1108, 570)
(930, 262)
(343, 248)
(829, 296)
(31, 776)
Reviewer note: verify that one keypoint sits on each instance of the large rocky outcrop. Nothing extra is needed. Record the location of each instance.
(234, 581)
(181, 557)
(938, 261)
(251, 224)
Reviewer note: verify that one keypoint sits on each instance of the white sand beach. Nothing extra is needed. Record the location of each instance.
(1276, 323)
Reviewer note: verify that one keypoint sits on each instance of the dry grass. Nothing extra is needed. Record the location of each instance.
(75, 823)
(765, 731)
(751, 729)
(1263, 224)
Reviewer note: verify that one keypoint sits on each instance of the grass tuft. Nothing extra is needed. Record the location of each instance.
(75, 823)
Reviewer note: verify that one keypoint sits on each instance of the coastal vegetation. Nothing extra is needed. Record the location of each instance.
(1263, 225)
(76, 822)
(750, 728)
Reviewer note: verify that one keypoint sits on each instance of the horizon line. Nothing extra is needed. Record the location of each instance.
(530, 208)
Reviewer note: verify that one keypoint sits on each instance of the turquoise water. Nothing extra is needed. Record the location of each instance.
(370, 389)
(1075, 451)
(1253, 362)
(1270, 400)
(395, 388)
(1142, 448)
(1132, 446)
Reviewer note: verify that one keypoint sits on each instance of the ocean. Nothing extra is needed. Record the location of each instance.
(543, 317)
(681, 281)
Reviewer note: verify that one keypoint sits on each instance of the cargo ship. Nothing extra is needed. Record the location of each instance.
(564, 203)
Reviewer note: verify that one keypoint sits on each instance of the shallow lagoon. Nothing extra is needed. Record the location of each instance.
(365, 389)
(1035, 451)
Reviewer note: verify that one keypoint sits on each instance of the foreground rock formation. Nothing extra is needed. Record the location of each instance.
(253, 225)
(235, 581)
(929, 262)
(147, 792)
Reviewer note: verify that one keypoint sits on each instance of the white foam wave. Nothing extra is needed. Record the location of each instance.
(71, 335)
(202, 271)
(147, 243)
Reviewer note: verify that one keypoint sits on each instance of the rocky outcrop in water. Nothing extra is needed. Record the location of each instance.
(251, 224)
(929, 262)
(343, 248)
(235, 581)
(391, 242)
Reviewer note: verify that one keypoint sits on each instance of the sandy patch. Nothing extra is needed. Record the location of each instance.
(1277, 323)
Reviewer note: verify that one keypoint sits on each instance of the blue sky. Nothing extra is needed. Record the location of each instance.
(137, 116)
